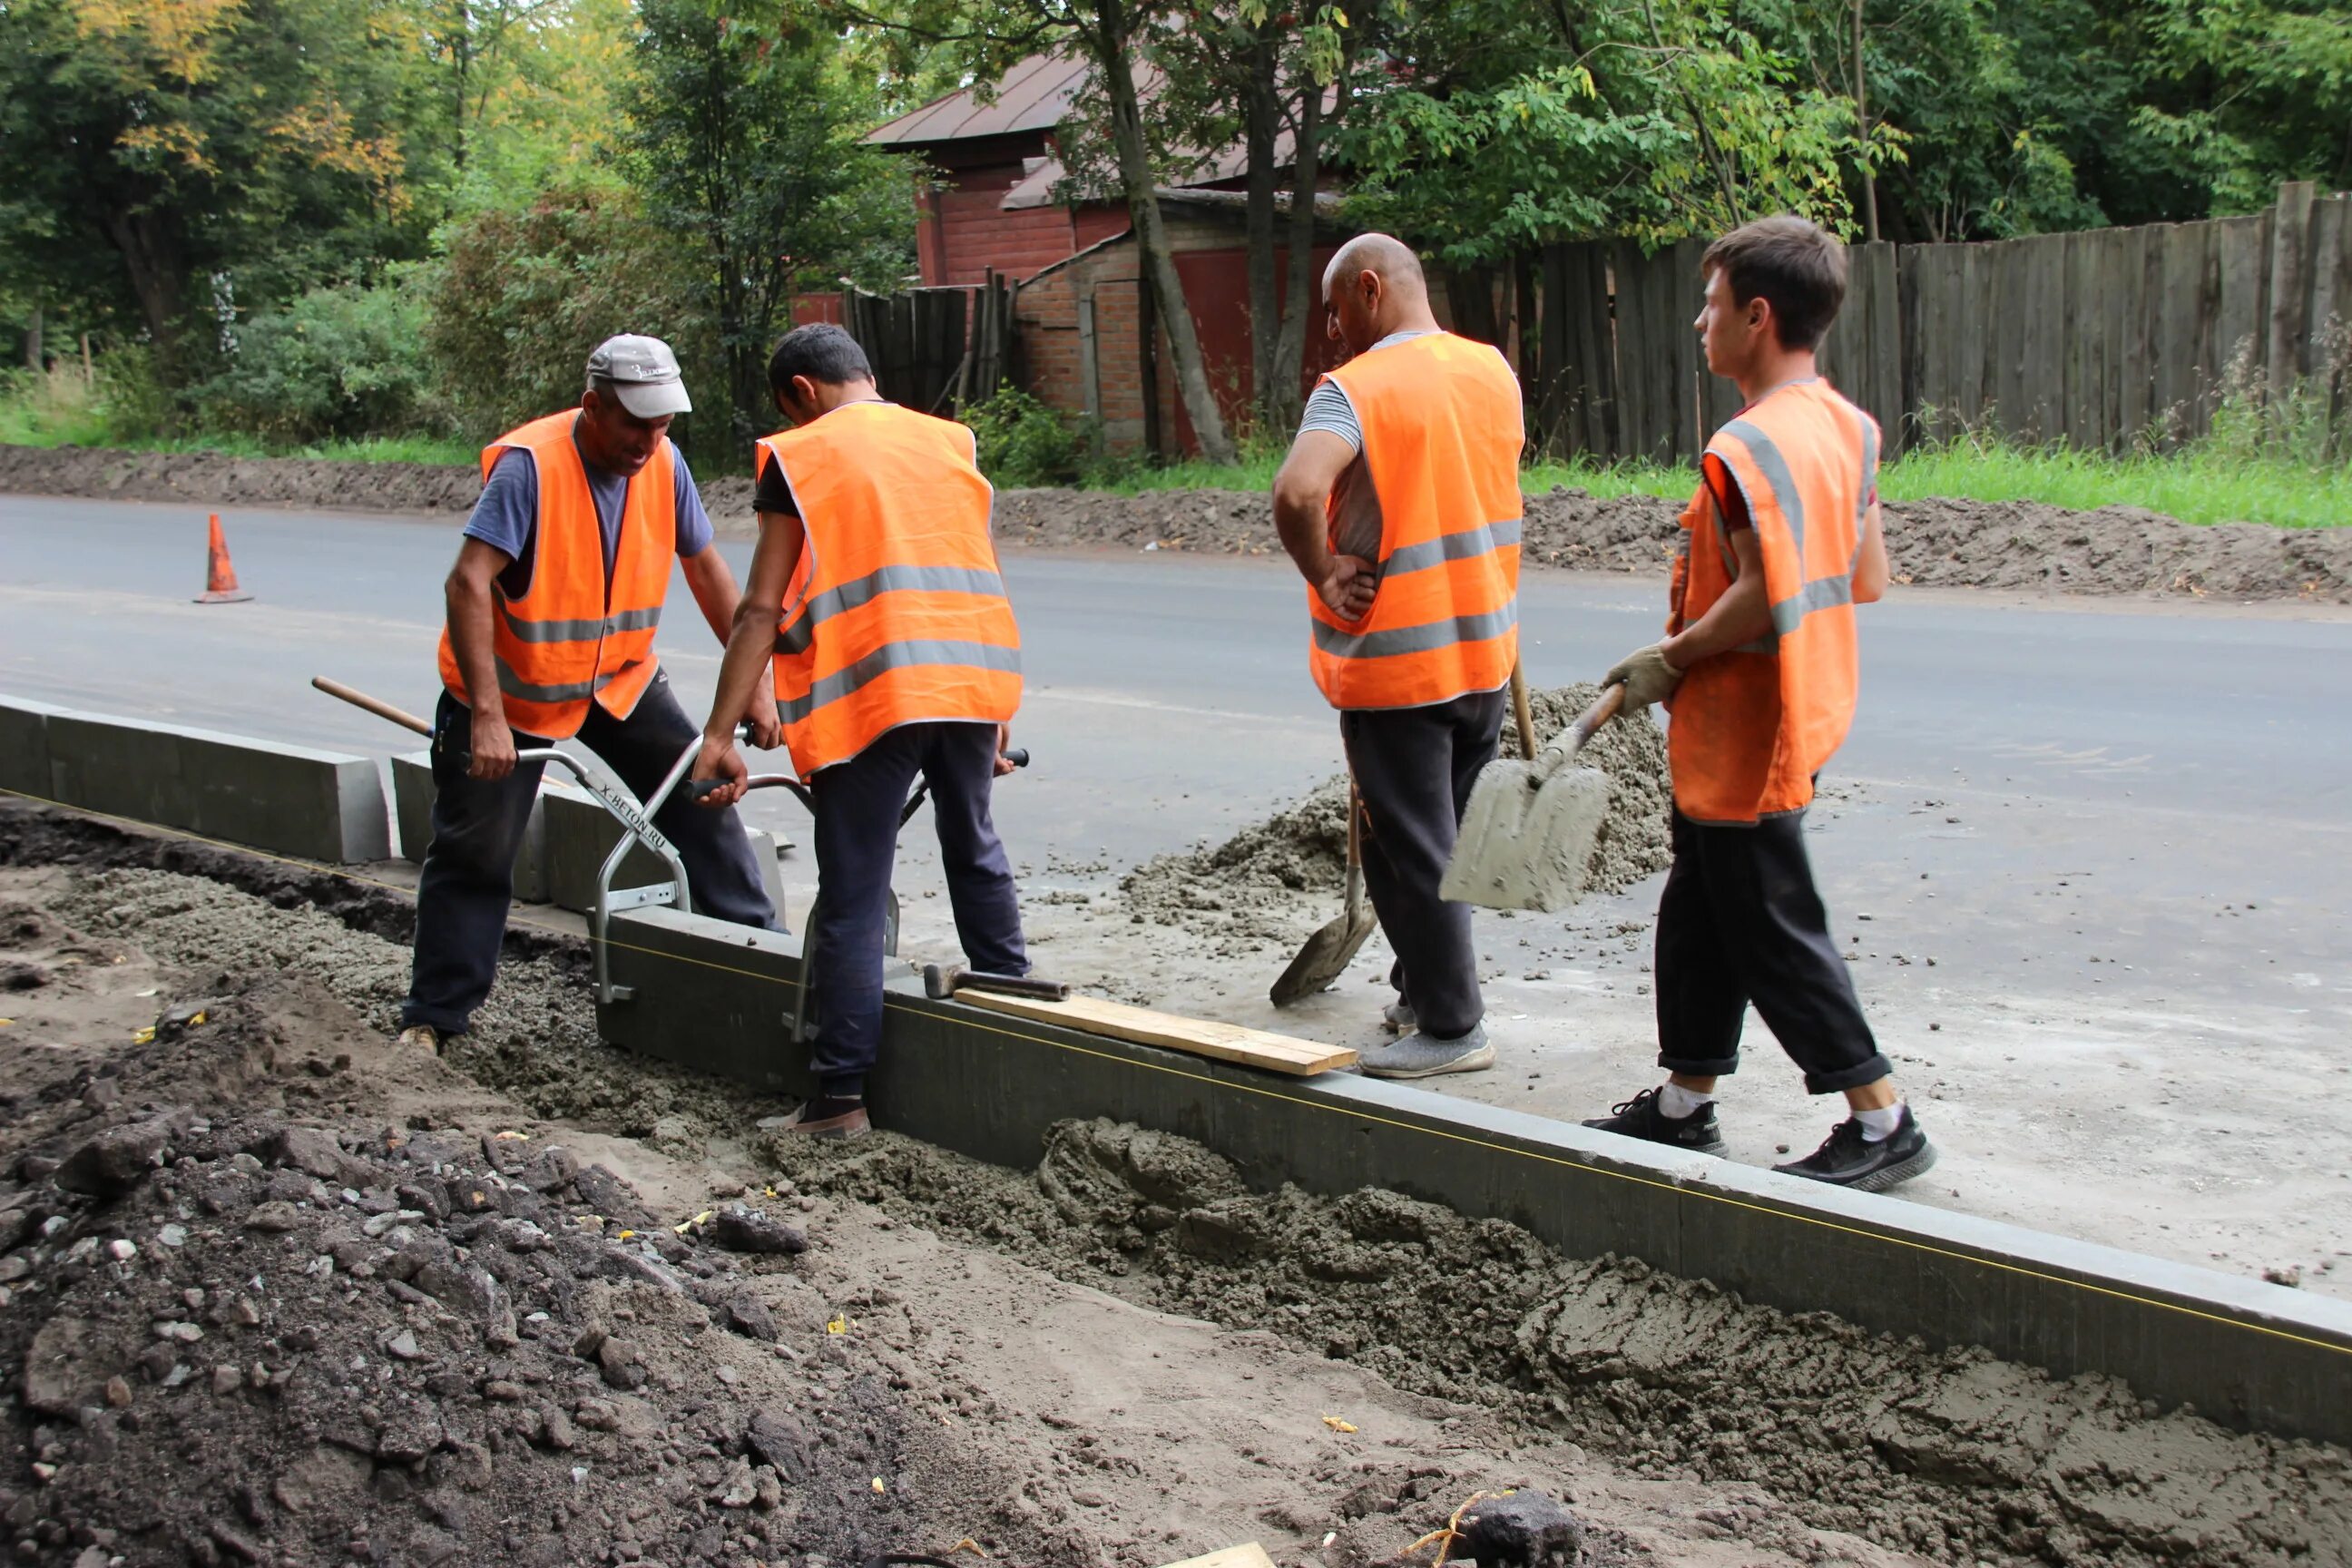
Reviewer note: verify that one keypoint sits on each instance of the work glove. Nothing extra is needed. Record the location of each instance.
(1646, 676)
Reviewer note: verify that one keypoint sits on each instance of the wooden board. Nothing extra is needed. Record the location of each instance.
(1194, 1037)
(1250, 1556)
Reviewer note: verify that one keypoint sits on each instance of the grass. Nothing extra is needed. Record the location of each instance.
(2200, 485)
(2231, 477)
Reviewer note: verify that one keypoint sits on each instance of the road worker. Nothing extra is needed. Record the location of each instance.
(552, 606)
(1400, 503)
(1760, 671)
(875, 597)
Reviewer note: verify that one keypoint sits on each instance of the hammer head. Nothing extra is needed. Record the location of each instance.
(939, 981)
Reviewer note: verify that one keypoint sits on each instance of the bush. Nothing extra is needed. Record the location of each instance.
(519, 300)
(117, 402)
(1023, 442)
(339, 362)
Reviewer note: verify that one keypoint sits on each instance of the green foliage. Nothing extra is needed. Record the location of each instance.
(1023, 442)
(519, 299)
(748, 141)
(2251, 92)
(116, 402)
(344, 361)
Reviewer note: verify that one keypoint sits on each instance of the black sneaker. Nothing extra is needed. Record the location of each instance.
(1641, 1118)
(1849, 1160)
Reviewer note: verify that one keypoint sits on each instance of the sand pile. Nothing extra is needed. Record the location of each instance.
(1959, 1455)
(1274, 880)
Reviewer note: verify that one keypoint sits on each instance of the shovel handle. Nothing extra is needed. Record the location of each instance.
(1522, 712)
(1599, 713)
(381, 709)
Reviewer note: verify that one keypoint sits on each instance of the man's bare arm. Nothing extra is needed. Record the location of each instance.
(743, 680)
(1301, 491)
(468, 594)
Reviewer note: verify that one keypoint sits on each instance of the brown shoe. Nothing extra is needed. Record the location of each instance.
(421, 1038)
(850, 1123)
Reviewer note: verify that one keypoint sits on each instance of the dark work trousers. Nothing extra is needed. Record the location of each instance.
(856, 833)
(1739, 922)
(468, 883)
(1414, 768)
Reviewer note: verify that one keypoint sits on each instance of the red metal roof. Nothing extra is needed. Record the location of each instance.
(1033, 96)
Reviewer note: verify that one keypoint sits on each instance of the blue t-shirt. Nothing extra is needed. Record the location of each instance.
(506, 518)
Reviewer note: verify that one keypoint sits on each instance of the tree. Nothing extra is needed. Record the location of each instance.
(746, 139)
(221, 152)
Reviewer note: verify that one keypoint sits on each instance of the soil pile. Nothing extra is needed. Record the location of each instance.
(1274, 880)
(2015, 545)
(246, 1330)
(1958, 1455)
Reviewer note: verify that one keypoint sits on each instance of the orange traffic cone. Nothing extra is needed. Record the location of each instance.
(220, 577)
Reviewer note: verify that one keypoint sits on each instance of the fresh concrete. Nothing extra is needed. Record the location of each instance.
(2254, 1356)
(292, 800)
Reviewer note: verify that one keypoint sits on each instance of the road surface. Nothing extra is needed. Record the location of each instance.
(2120, 831)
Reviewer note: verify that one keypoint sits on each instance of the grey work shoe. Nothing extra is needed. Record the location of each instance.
(1398, 1017)
(1421, 1056)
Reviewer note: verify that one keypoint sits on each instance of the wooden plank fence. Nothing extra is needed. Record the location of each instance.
(936, 349)
(2104, 339)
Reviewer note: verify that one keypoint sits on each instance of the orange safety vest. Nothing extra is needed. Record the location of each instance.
(1442, 437)
(573, 638)
(1752, 726)
(897, 612)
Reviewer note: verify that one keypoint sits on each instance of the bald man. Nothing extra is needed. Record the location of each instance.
(1400, 503)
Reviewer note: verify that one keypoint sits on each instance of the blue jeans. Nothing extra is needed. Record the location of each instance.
(467, 884)
(856, 833)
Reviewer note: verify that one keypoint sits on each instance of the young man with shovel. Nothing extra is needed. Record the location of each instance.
(1400, 503)
(551, 610)
(1760, 671)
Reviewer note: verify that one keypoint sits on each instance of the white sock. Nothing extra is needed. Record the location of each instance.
(1879, 1125)
(1675, 1102)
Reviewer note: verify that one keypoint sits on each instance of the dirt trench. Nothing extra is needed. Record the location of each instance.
(2006, 545)
(404, 1395)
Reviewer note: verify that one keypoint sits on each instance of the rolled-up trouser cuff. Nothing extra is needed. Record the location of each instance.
(1855, 1077)
(1697, 1066)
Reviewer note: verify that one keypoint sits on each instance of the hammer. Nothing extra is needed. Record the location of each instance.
(942, 981)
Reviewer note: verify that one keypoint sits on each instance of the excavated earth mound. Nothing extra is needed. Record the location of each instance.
(1274, 879)
(2013, 545)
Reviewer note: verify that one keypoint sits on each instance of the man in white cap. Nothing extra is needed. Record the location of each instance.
(552, 611)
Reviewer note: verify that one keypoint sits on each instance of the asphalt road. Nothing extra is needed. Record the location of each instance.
(2091, 857)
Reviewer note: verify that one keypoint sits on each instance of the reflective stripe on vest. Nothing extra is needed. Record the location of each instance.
(897, 614)
(571, 638)
(1752, 726)
(1442, 436)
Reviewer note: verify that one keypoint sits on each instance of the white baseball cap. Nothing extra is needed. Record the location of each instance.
(643, 375)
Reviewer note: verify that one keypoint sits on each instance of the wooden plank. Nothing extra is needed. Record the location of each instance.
(2085, 348)
(1250, 1556)
(1635, 355)
(2046, 339)
(1554, 435)
(2181, 299)
(1884, 315)
(1971, 341)
(2241, 331)
(2330, 303)
(1596, 349)
(1194, 1037)
(2122, 279)
(2287, 353)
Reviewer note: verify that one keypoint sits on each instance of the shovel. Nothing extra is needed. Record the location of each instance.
(1330, 950)
(1528, 833)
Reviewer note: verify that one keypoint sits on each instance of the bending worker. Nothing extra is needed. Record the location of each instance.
(1400, 503)
(551, 610)
(876, 595)
(1763, 664)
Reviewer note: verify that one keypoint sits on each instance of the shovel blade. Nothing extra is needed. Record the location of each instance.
(1323, 958)
(1526, 843)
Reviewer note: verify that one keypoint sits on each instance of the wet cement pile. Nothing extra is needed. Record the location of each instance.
(1276, 880)
(1953, 1454)
(244, 1329)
